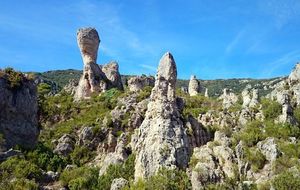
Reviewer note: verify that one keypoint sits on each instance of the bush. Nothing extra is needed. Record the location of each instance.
(81, 155)
(14, 78)
(144, 93)
(20, 168)
(45, 158)
(271, 109)
(164, 179)
(255, 158)
(251, 134)
(80, 178)
(287, 180)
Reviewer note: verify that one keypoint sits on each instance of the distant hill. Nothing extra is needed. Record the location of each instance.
(215, 87)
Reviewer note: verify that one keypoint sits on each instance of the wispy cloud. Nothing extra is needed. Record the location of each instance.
(148, 67)
(287, 59)
(234, 42)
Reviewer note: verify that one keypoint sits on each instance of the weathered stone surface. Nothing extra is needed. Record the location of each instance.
(255, 98)
(198, 135)
(10, 153)
(194, 86)
(65, 145)
(95, 79)
(161, 140)
(139, 82)
(206, 93)
(71, 86)
(229, 98)
(18, 113)
(269, 148)
(118, 184)
(294, 77)
(111, 71)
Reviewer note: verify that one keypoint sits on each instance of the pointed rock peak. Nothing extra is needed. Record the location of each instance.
(167, 68)
(295, 74)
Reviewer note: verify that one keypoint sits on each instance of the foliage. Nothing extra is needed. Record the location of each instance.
(164, 179)
(251, 134)
(271, 109)
(144, 93)
(81, 155)
(287, 180)
(255, 158)
(13, 77)
(45, 159)
(43, 89)
(80, 178)
(125, 170)
(20, 168)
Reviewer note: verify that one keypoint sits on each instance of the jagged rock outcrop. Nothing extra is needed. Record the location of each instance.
(95, 79)
(206, 93)
(269, 149)
(194, 86)
(18, 112)
(161, 140)
(294, 77)
(111, 71)
(287, 115)
(255, 99)
(71, 86)
(139, 82)
(246, 96)
(229, 98)
(65, 145)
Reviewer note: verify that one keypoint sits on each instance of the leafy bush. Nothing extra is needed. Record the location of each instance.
(125, 170)
(43, 89)
(251, 134)
(80, 178)
(255, 158)
(271, 109)
(164, 179)
(144, 93)
(81, 155)
(20, 168)
(287, 180)
(14, 78)
(44, 158)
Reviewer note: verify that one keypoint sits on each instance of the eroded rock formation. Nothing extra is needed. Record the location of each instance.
(94, 79)
(18, 112)
(161, 140)
(194, 86)
(139, 82)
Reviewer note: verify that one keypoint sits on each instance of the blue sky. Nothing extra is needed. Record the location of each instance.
(211, 39)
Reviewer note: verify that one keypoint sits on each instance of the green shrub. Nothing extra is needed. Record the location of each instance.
(251, 134)
(255, 158)
(271, 109)
(281, 130)
(125, 170)
(18, 184)
(81, 155)
(20, 168)
(287, 180)
(80, 178)
(43, 89)
(14, 78)
(44, 158)
(144, 93)
(164, 179)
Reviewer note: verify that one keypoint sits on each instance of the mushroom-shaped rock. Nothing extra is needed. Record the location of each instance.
(161, 139)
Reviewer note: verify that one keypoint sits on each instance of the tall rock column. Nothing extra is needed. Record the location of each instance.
(92, 79)
(161, 140)
(194, 86)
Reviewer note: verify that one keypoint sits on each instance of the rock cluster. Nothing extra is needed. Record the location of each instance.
(228, 97)
(139, 82)
(19, 113)
(194, 86)
(161, 140)
(95, 79)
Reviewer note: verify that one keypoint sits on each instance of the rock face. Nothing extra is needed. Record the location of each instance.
(94, 78)
(111, 70)
(65, 145)
(194, 86)
(18, 113)
(294, 77)
(118, 184)
(139, 82)
(161, 140)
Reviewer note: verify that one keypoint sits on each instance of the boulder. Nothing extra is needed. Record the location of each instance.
(139, 82)
(269, 148)
(161, 140)
(65, 145)
(229, 98)
(118, 184)
(111, 71)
